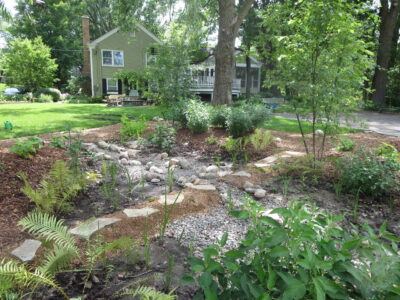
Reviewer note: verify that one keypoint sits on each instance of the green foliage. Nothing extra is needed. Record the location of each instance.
(43, 98)
(57, 141)
(163, 137)
(131, 79)
(177, 112)
(219, 115)
(306, 255)
(60, 28)
(212, 140)
(110, 172)
(56, 189)
(369, 174)
(345, 144)
(30, 64)
(147, 293)
(321, 61)
(25, 148)
(198, 116)
(54, 93)
(388, 151)
(131, 129)
(167, 73)
(260, 139)
(245, 118)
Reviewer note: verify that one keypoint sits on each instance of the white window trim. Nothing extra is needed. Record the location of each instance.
(148, 55)
(108, 92)
(112, 58)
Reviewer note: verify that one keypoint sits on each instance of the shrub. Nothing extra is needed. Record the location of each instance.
(56, 190)
(44, 98)
(345, 144)
(198, 116)
(212, 140)
(219, 115)
(163, 137)
(302, 253)
(369, 174)
(131, 128)
(25, 148)
(54, 93)
(177, 112)
(239, 122)
(245, 118)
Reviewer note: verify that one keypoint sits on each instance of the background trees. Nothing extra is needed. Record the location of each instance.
(29, 63)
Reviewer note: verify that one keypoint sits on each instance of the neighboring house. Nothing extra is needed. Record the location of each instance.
(204, 77)
(132, 51)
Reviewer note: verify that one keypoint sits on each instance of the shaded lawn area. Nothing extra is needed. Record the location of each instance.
(36, 118)
(289, 125)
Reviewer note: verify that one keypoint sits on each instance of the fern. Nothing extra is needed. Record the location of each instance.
(56, 260)
(44, 225)
(15, 274)
(148, 293)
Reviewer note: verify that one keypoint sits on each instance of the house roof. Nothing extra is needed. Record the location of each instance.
(115, 30)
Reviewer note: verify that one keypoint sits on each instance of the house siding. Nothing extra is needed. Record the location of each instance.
(134, 49)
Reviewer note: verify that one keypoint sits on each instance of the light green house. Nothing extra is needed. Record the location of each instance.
(132, 51)
(117, 50)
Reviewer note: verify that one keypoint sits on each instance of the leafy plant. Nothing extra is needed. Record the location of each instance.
(148, 293)
(211, 140)
(345, 144)
(57, 142)
(198, 116)
(387, 150)
(369, 174)
(219, 115)
(131, 128)
(25, 148)
(110, 170)
(306, 255)
(74, 149)
(260, 139)
(163, 137)
(56, 189)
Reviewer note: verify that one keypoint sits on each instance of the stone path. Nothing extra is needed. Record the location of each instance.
(85, 230)
(27, 250)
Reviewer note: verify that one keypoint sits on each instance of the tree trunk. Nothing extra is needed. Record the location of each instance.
(229, 22)
(388, 24)
(248, 76)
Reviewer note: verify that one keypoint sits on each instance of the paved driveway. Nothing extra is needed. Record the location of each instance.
(383, 123)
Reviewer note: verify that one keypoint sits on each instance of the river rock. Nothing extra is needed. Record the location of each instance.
(103, 145)
(260, 193)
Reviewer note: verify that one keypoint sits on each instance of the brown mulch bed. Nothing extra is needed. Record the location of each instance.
(13, 203)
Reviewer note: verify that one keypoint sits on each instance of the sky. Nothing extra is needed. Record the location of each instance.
(10, 4)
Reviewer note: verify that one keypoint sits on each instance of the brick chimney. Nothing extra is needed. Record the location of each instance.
(86, 54)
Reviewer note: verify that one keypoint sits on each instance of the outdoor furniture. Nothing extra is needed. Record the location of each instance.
(115, 100)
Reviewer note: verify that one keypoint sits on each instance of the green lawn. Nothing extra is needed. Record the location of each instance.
(289, 125)
(36, 118)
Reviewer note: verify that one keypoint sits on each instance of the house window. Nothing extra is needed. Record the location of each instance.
(254, 77)
(112, 86)
(113, 58)
(151, 56)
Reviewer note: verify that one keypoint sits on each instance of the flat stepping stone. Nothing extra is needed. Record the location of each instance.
(242, 174)
(171, 199)
(27, 250)
(270, 160)
(87, 229)
(140, 212)
(202, 187)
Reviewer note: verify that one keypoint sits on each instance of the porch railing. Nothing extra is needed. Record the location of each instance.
(207, 82)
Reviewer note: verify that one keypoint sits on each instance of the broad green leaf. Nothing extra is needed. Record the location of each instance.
(279, 251)
(235, 254)
(295, 288)
(271, 278)
(319, 288)
(187, 279)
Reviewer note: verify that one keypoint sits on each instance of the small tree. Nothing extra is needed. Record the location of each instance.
(29, 63)
(321, 62)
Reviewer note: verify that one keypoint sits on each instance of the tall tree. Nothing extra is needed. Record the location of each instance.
(29, 64)
(4, 13)
(58, 23)
(230, 18)
(388, 15)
